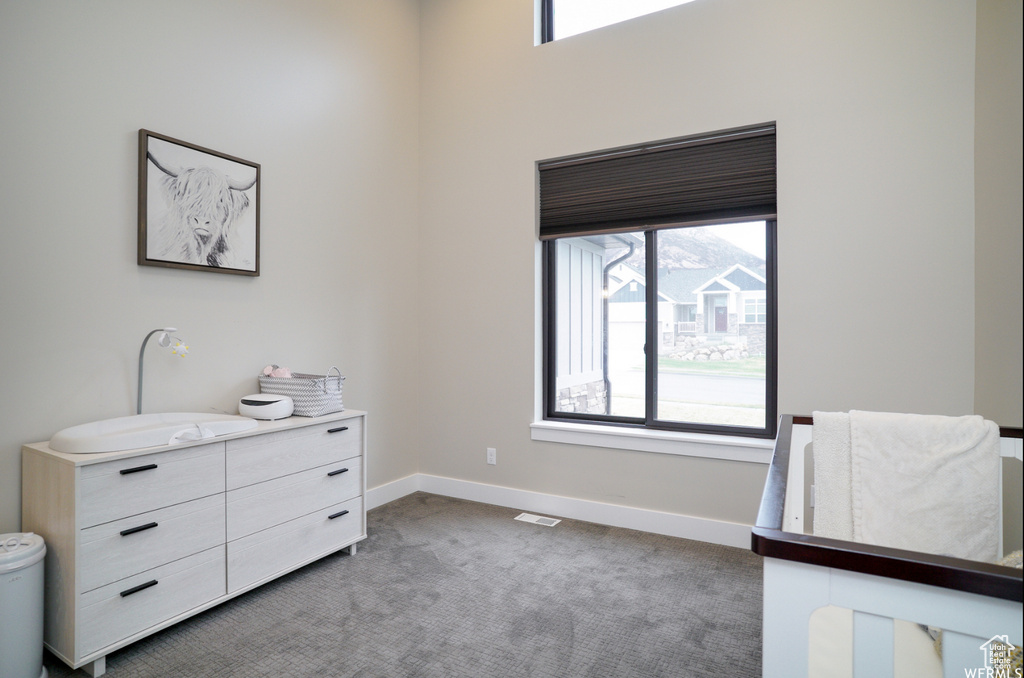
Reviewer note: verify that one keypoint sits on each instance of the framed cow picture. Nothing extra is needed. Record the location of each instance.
(198, 209)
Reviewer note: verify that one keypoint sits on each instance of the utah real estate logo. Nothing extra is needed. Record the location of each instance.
(1002, 660)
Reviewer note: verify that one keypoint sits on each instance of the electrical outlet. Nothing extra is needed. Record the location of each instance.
(492, 455)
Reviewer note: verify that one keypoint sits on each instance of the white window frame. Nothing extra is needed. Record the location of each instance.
(638, 439)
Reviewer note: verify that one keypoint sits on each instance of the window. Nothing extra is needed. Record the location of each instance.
(755, 310)
(564, 18)
(659, 290)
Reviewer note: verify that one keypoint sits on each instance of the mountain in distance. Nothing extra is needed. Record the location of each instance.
(680, 248)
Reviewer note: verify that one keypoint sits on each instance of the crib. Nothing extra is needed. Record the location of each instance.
(885, 589)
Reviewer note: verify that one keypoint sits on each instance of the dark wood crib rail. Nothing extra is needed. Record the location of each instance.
(770, 540)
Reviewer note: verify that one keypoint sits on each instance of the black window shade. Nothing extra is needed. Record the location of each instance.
(727, 175)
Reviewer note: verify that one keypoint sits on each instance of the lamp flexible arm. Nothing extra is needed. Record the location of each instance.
(142, 353)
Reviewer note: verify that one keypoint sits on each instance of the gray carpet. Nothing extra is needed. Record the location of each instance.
(451, 588)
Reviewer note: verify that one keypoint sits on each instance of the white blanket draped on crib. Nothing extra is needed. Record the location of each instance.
(923, 483)
(833, 486)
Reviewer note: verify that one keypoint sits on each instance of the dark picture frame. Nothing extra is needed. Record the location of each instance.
(199, 209)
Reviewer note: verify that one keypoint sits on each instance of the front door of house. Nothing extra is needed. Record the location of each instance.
(721, 318)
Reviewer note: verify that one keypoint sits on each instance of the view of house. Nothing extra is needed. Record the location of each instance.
(710, 335)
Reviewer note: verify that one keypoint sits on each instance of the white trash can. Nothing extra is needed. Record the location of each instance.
(21, 605)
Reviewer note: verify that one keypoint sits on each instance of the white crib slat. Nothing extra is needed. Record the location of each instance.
(960, 654)
(792, 592)
(873, 647)
(940, 607)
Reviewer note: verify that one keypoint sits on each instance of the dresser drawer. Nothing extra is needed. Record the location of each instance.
(253, 460)
(279, 549)
(119, 549)
(107, 616)
(127, 487)
(257, 507)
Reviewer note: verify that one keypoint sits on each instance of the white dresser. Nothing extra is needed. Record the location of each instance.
(141, 539)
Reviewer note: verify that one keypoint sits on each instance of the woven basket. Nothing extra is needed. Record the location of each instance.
(312, 394)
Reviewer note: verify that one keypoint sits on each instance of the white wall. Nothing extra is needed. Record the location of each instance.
(875, 112)
(323, 95)
(999, 174)
(999, 233)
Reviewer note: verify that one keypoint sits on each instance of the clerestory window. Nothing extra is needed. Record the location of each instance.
(659, 284)
(565, 18)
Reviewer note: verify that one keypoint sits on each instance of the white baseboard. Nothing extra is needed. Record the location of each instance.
(388, 492)
(645, 520)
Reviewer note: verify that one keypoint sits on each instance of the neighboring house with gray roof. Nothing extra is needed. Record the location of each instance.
(726, 305)
(602, 330)
(734, 304)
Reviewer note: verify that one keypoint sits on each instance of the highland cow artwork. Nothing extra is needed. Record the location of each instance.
(198, 209)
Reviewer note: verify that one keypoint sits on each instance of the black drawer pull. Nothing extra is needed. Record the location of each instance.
(140, 528)
(337, 515)
(337, 430)
(136, 589)
(338, 472)
(126, 471)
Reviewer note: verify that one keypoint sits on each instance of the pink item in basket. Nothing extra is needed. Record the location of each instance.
(275, 371)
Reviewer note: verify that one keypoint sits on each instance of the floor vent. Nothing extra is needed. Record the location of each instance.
(539, 520)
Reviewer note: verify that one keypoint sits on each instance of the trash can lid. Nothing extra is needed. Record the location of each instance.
(20, 549)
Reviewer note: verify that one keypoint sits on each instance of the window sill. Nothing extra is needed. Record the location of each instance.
(732, 448)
